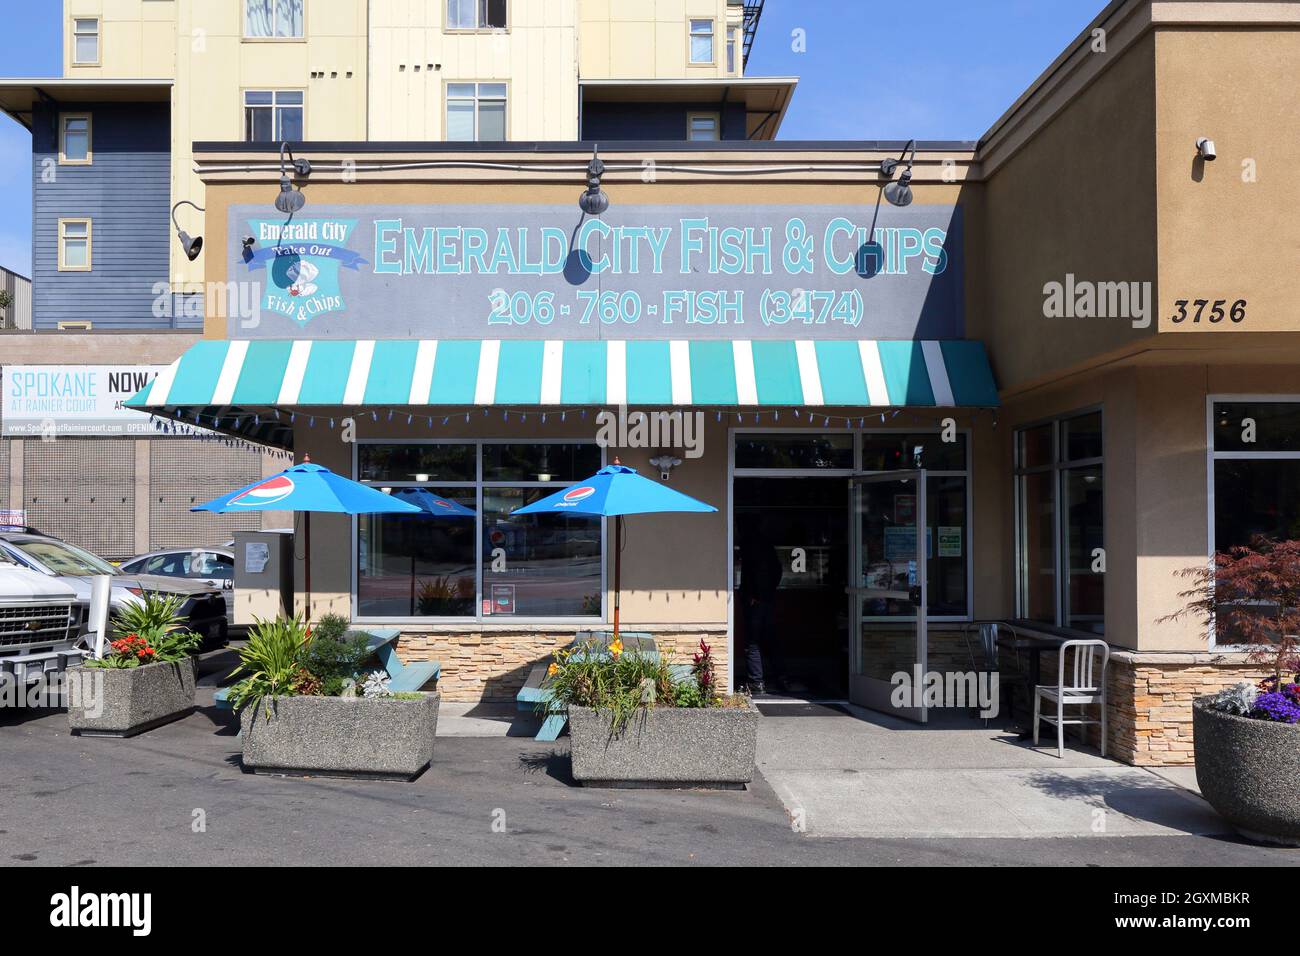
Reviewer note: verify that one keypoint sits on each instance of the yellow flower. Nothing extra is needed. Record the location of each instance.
(616, 647)
(552, 670)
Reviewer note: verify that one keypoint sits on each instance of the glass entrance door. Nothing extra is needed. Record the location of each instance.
(887, 591)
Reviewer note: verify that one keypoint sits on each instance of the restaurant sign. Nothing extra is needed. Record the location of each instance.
(638, 272)
(54, 401)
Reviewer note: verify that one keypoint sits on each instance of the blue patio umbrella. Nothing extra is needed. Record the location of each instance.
(428, 502)
(308, 488)
(614, 491)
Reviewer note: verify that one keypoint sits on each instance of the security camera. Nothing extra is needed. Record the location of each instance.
(665, 464)
(1205, 149)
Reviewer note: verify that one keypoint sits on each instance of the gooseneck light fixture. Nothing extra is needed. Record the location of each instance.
(594, 201)
(190, 245)
(290, 200)
(898, 192)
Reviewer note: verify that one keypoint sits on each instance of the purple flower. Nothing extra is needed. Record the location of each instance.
(1276, 706)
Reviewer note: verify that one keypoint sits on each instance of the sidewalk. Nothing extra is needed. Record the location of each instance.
(857, 773)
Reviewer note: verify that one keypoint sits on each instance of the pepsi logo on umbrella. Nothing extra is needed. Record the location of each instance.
(574, 495)
(267, 493)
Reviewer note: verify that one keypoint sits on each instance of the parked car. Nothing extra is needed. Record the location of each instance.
(42, 622)
(203, 610)
(211, 565)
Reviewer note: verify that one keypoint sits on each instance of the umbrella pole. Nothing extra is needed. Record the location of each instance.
(306, 526)
(618, 562)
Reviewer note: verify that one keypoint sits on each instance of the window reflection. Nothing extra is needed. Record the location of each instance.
(417, 565)
(545, 565)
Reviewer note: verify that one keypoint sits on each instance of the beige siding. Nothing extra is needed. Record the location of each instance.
(413, 58)
(648, 39)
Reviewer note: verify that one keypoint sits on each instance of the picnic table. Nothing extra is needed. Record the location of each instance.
(403, 677)
(534, 696)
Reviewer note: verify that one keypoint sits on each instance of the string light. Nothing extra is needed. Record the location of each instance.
(178, 426)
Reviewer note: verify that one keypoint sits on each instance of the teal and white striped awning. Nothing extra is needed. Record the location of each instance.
(262, 374)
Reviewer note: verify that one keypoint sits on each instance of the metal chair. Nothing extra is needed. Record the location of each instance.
(1087, 686)
(985, 655)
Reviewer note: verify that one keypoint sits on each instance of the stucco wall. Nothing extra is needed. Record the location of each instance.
(1079, 198)
(1229, 229)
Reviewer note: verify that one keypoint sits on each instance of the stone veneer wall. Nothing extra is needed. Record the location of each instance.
(1151, 701)
(491, 665)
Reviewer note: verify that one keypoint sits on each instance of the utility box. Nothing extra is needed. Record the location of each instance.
(263, 575)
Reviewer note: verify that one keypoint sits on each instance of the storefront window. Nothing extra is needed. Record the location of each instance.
(538, 565)
(427, 566)
(817, 452)
(1059, 542)
(417, 565)
(1256, 472)
(905, 451)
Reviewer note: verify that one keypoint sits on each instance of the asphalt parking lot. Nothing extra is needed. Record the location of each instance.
(178, 797)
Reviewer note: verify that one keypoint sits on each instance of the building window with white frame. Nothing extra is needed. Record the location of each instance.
(476, 14)
(732, 46)
(488, 566)
(273, 19)
(703, 127)
(74, 139)
(85, 41)
(273, 116)
(74, 245)
(1255, 469)
(1060, 558)
(701, 40)
(476, 112)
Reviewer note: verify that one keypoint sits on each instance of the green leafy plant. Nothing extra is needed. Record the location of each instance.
(151, 631)
(332, 656)
(687, 694)
(333, 627)
(273, 662)
(613, 682)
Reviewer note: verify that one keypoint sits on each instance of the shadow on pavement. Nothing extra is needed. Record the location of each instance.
(554, 763)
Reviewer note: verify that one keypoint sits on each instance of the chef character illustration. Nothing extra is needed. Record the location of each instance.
(301, 276)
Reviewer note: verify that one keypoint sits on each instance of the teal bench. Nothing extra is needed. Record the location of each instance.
(533, 695)
(403, 677)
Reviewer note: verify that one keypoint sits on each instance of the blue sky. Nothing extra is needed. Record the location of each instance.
(893, 69)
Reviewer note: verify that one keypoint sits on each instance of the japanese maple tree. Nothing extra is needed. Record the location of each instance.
(1250, 596)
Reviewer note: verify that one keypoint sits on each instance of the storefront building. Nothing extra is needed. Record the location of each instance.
(1066, 371)
(466, 326)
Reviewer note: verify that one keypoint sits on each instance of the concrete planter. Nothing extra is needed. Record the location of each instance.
(1249, 771)
(665, 747)
(128, 701)
(382, 739)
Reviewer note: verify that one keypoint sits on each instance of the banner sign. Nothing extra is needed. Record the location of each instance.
(55, 401)
(638, 272)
